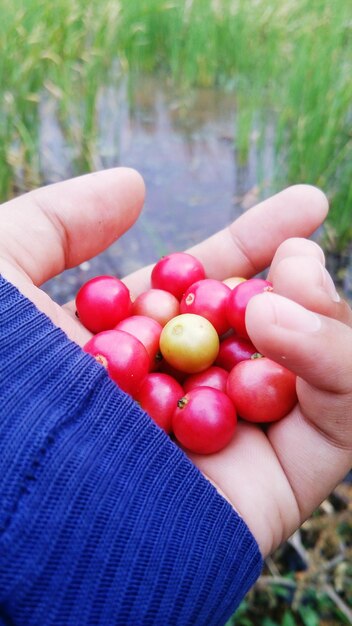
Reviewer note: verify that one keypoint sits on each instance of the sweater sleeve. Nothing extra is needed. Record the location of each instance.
(103, 519)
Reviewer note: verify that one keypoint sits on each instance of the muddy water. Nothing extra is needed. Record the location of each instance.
(183, 146)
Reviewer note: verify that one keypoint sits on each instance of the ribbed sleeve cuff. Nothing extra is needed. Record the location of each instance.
(103, 519)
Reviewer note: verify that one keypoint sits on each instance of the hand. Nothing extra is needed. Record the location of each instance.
(276, 479)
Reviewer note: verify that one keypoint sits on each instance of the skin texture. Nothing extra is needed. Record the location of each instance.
(274, 480)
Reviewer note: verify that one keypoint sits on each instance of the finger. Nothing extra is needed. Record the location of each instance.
(313, 346)
(314, 443)
(248, 245)
(318, 350)
(59, 226)
(296, 246)
(306, 281)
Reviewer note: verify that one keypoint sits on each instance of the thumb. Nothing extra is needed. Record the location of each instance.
(316, 348)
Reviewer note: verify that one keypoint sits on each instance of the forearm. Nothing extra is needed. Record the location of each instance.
(103, 519)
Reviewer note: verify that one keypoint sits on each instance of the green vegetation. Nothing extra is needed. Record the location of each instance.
(285, 61)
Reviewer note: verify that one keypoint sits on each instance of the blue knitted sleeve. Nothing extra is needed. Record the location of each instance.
(103, 519)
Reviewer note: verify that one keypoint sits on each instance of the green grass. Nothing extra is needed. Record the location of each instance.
(288, 60)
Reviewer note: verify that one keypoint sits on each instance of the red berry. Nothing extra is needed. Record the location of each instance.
(124, 357)
(158, 304)
(158, 395)
(238, 300)
(176, 272)
(232, 350)
(208, 298)
(147, 331)
(215, 377)
(205, 420)
(262, 390)
(221, 382)
(103, 302)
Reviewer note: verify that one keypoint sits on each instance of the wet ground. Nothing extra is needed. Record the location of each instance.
(183, 146)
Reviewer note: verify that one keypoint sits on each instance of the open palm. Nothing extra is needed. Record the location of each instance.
(273, 478)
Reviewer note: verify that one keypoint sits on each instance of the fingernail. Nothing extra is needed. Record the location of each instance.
(329, 286)
(292, 316)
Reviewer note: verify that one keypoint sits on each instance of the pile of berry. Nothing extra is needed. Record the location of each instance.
(181, 349)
